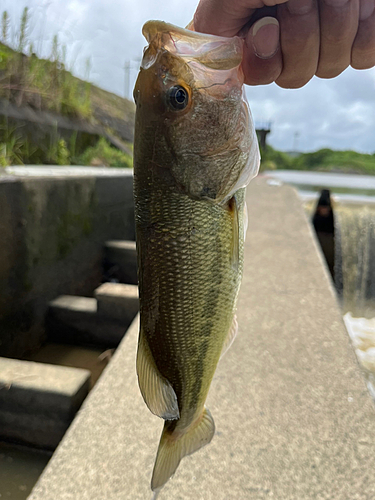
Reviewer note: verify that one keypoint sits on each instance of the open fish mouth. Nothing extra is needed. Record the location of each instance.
(212, 51)
(214, 60)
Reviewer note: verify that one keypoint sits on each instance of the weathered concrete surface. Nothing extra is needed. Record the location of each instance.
(52, 234)
(38, 401)
(117, 301)
(293, 417)
(75, 320)
(123, 256)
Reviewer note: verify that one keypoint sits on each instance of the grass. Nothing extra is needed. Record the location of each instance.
(46, 85)
(18, 150)
(103, 154)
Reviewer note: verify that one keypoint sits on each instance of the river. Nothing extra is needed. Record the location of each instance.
(347, 188)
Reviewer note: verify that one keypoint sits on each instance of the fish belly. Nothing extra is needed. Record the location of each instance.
(188, 288)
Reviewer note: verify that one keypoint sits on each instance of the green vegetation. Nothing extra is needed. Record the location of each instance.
(271, 159)
(324, 160)
(17, 150)
(43, 84)
(27, 81)
(103, 154)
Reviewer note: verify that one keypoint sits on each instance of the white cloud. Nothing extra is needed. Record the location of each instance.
(338, 113)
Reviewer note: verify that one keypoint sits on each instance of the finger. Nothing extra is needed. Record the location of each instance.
(226, 17)
(300, 40)
(338, 28)
(262, 60)
(363, 51)
(221, 17)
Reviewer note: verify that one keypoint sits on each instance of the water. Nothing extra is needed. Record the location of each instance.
(362, 333)
(355, 258)
(347, 188)
(20, 468)
(354, 211)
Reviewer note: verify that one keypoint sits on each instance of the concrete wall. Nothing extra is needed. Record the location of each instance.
(52, 232)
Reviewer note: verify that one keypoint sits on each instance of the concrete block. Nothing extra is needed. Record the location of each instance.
(293, 416)
(122, 255)
(117, 301)
(38, 401)
(75, 320)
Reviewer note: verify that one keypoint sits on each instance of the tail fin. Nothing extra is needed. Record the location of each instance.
(172, 449)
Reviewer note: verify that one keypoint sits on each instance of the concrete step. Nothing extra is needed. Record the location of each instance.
(117, 301)
(39, 401)
(121, 261)
(75, 320)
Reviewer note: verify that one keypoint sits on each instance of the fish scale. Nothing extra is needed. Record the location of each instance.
(193, 155)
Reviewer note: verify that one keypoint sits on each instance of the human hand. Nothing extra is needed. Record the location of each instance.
(302, 38)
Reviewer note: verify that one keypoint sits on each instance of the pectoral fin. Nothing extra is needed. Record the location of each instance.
(245, 220)
(230, 337)
(235, 243)
(157, 392)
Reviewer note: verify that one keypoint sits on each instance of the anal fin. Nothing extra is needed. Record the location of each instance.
(172, 448)
(156, 390)
(233, 330)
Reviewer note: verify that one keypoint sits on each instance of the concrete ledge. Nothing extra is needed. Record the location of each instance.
(294, 419)
(38, 401)
(75, 320)
(118, 301)
(123, 255)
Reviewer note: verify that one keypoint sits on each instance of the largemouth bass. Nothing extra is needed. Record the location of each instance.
(195, 151)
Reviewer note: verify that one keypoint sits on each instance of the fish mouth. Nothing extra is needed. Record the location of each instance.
(213, 52)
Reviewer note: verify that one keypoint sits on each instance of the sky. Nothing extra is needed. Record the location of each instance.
(337, 113)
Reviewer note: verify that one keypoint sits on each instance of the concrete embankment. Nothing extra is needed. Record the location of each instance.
(293, 416)
(54, 222)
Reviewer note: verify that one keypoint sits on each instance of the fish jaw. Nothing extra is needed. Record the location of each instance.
(210, 146)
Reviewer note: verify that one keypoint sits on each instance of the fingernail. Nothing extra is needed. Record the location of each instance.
(265, 33)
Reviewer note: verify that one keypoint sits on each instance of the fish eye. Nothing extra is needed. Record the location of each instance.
(178, 97)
